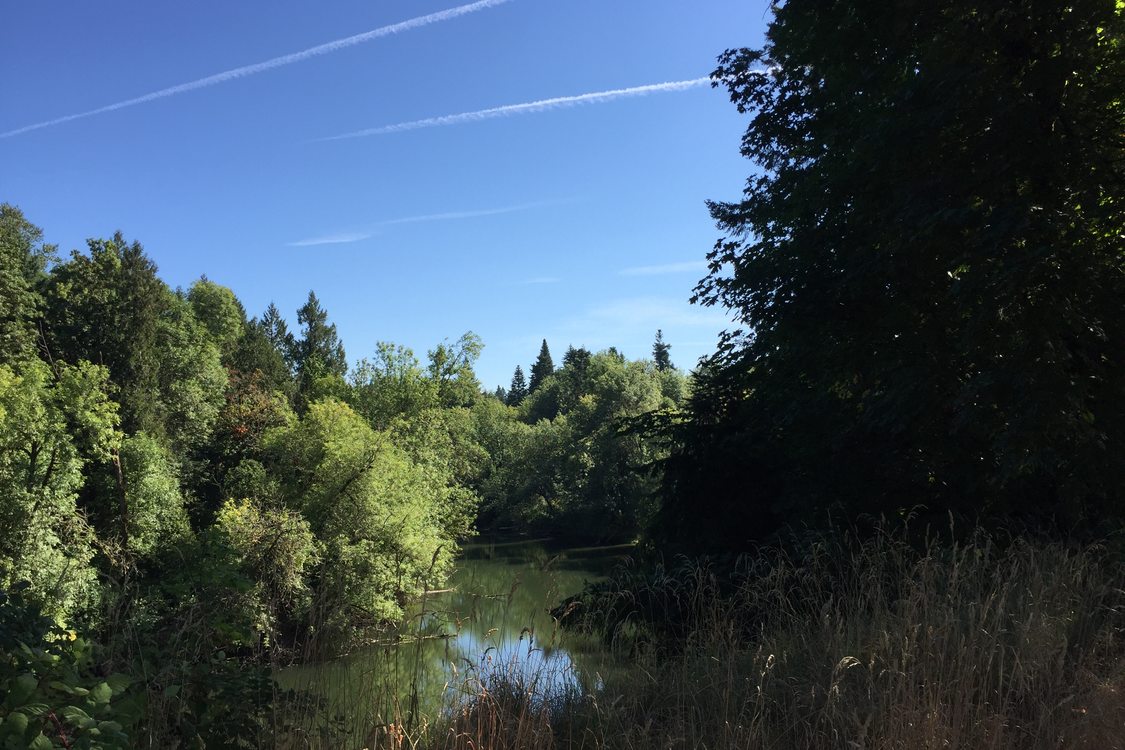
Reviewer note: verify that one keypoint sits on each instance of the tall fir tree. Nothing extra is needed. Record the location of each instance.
(318, 351)
(660, 352)
(277, 331)
(517, 391)
(543, 368)
(577, 361)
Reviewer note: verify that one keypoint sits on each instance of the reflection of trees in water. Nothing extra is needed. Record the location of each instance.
(494, 623)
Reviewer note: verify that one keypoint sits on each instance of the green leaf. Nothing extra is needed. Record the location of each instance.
(74, 714)
(101, 693)
(40, 743)
(15, 724)
(119, 682)
(25, 684)
(62, 687)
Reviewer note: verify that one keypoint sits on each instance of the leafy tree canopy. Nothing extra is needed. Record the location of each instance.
(23, 261)
(927, 270)
(219, 311)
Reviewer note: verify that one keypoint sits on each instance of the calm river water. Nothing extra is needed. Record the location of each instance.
(495, 619)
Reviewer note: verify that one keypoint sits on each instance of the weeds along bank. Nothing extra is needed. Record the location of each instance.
(873, 644)
(858, 645)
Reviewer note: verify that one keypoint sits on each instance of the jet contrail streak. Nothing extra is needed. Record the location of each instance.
(276, 62)
(519, 109)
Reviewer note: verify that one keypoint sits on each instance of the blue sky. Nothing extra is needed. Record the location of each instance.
(582, 224)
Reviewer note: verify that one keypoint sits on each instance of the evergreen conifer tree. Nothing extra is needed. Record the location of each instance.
(543, 368)
(319, 348)
(660, 352)
(277, 331)
(517, 392)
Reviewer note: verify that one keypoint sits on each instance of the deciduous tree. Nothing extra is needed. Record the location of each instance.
(927, 270)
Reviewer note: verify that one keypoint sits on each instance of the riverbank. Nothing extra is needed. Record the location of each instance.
(872, 645)
(490, 623)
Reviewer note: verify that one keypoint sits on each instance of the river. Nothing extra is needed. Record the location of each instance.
(493, 617)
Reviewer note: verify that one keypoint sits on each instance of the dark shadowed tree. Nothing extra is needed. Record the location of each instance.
(256, 352)
(542, 369)
(927, 270)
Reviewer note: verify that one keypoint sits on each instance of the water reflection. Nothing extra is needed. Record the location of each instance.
(494, 620)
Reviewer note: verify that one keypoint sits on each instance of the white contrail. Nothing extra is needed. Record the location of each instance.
(331, 239)
(340, 238)
(449, 215)
(276, 62)
(519, 109)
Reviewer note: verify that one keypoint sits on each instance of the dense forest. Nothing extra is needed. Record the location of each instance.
(898, 486)
(181, 480)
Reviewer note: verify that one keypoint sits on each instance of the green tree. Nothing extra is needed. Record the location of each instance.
(660, 352)
(392, 386)
(927, 272)
(154, 504)
(277, 331)
(318, 352)
(451, 368)
(543, 367)
(517, 391)
(570, 460)
(275, 548)
(577, 360)
(44, 539)
(373, 510)
(256, 352)
(106, 307)
(220, 312)
(109, 307)
(23, 260)
(191, 379)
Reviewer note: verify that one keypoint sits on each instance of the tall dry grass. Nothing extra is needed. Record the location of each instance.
(856, 645)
